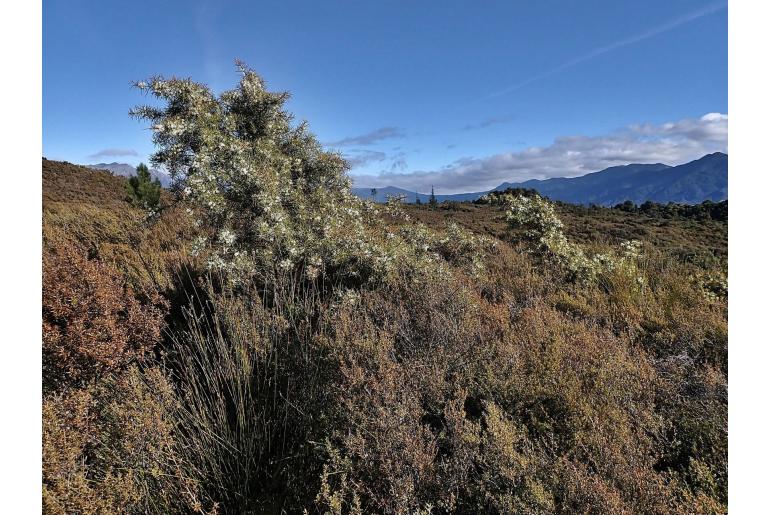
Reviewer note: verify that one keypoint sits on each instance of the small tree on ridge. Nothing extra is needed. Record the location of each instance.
(142, 189)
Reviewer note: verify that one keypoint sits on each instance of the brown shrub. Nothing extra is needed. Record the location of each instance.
(449, 402)
(110, 448)
(63, 181)
(146, 252)
(92, 321)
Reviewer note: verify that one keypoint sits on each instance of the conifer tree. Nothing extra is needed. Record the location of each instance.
(142, 189)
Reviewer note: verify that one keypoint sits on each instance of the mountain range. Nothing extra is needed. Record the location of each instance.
(689, 183)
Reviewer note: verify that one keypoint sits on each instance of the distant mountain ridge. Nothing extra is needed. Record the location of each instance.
(126, 170)
(688, 183)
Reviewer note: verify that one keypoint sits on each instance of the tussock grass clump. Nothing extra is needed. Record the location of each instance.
(254, 397)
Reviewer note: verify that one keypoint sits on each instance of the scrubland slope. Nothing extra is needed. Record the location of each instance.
(453, 360)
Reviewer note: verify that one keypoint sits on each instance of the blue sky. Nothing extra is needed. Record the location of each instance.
(460, 95)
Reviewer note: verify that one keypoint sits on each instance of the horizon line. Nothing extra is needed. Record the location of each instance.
(539, 180)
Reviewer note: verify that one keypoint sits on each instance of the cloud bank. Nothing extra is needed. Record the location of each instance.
(114, 152)
(569, 156)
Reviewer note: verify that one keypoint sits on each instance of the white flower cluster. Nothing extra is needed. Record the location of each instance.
(227, 238)
(545, 232)
(393, 207)
(713, 285)
(456, 246)
(274, 200)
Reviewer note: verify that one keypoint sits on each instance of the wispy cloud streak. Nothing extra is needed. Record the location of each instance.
(670, 25)
(489, 122)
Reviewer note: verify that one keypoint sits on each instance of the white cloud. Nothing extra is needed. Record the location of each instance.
(114, 152)
(569, 156)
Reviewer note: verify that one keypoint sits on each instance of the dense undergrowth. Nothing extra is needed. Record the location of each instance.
(268, 343)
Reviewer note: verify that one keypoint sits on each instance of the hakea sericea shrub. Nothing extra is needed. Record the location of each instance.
(455, 245)
(544, 231)
(713, 284)
(501, 198)
(277, 204)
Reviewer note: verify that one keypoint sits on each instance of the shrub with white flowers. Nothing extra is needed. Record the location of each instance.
(394, 207)
(277, 206)
(713, 284)
(276, 203)
(544, 231)
(456, 245)
(501, 198)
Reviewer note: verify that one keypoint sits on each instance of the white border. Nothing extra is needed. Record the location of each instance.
(749, 190)
(20, 212)
(20, 296)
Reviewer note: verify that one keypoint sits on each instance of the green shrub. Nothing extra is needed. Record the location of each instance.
(143, 190)
(274, 199)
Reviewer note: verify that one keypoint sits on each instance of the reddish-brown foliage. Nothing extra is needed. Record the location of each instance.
(92, 320)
